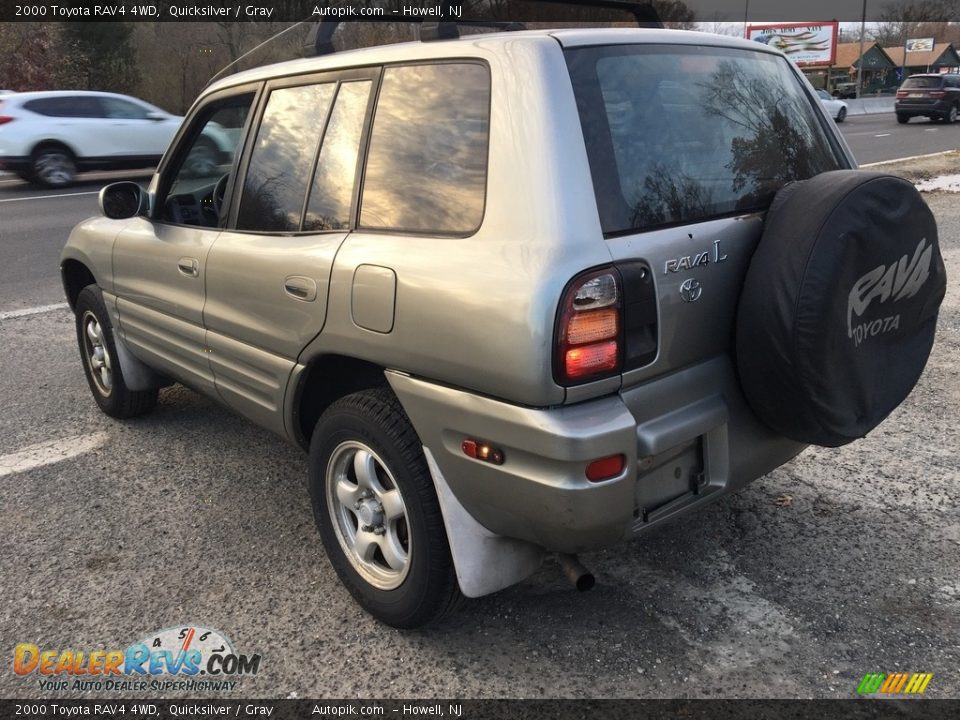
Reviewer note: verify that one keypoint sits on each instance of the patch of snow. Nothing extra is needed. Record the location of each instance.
(947, 183)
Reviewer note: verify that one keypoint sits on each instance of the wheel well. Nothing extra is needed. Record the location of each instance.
(53, 144)
(76, 276)
(326, 380)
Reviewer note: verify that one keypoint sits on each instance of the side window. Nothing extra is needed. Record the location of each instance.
(45, 106)
(123, 109)
(85, 106)
(203, 162)
(281, 163)
(427, 163)
(332, 191)
(75, 106)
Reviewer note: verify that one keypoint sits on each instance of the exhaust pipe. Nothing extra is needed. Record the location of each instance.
(576, 573)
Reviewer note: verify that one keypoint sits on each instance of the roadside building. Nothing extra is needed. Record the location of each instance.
(879, 71)
(943, 58)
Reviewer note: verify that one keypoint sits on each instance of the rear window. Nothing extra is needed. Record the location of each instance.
(679, 134)
(923, 82)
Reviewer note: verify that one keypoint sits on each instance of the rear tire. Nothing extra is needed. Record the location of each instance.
(377, 511)
(903, 119)
(99, 354)
(951, 116)
(53, 166)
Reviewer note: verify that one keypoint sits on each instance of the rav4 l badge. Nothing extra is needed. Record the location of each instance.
(696, 260)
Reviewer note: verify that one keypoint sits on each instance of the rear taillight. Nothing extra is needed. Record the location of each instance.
(937, 93)
(902, 93)
(4, 119)
(589, 336)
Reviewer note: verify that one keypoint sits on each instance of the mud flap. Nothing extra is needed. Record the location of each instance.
(484, 562)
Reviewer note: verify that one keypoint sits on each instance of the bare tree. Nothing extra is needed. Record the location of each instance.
(917, 18)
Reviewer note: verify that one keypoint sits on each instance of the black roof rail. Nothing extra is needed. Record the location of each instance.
(645, 13)
(450, 30)
(320, 39)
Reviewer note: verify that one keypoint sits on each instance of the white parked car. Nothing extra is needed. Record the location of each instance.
(836, 108)
(48, 137)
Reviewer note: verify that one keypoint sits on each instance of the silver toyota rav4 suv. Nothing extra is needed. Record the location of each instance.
(517, 293)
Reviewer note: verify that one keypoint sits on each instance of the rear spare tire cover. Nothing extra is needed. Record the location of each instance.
(839, 305)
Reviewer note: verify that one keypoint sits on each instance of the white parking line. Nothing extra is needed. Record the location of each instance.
(47, 453)
(32, 311)
(44, 197)
(883, 135)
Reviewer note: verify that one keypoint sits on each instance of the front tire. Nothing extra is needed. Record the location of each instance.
(951, 116)
(99, 354)
(377, 511)
(842, 115)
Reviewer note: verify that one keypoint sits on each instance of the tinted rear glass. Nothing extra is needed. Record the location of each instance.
(685, 133)
(427, 164)
(923, 82)
(76, 106)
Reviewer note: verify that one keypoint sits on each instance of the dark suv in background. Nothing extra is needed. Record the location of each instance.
(935, 96)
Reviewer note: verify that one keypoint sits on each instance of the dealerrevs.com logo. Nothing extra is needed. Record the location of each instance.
(190, 658)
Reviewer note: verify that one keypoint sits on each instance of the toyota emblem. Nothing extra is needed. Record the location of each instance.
(690, 290)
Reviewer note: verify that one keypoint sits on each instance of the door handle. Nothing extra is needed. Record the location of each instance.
(189, 266)
(300, 288)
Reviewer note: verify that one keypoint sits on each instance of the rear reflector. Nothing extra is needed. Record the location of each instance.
(606, 468)
(481, 451)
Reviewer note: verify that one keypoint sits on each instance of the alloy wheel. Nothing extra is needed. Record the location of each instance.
(368, 514)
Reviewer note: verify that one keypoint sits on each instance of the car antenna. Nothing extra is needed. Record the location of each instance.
(270, 39)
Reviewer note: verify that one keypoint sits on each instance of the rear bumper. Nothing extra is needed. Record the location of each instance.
(688, 439)
(922, 107)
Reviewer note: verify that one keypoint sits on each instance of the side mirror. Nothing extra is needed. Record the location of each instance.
(121, 200)
(155, 116)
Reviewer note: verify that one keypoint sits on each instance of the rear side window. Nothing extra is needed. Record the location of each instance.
(679, 134)
(427, 162)
(76, 106)
(281, 164)
(922, 82)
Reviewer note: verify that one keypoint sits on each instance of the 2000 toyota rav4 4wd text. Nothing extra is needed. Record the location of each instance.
(513, 293)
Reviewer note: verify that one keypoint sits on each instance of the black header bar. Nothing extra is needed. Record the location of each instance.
(754, 11)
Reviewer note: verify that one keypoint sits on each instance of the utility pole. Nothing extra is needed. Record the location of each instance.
(863, 26)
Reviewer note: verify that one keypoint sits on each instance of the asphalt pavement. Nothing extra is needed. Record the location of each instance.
(876, 138)
(840, 563)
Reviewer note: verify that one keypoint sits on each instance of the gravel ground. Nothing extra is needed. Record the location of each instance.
(842, 562)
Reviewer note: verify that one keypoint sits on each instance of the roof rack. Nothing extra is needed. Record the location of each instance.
(320, 39)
